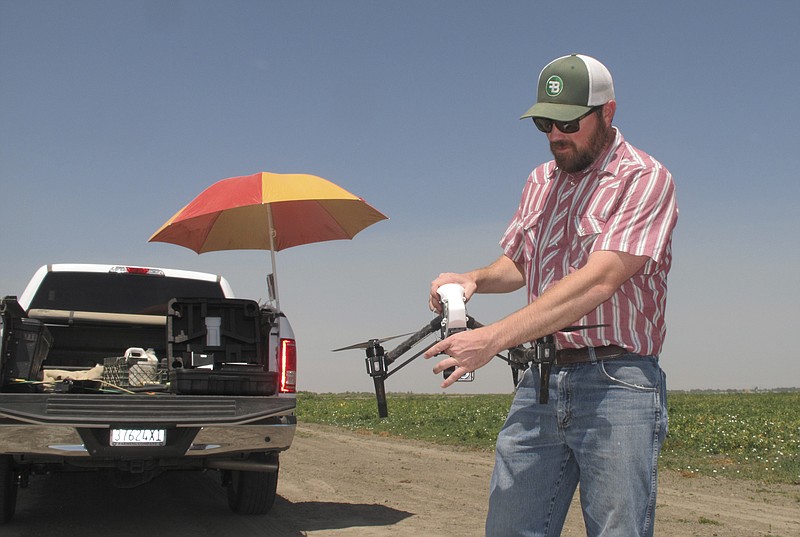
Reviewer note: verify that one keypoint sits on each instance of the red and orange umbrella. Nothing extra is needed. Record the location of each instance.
(267, 211)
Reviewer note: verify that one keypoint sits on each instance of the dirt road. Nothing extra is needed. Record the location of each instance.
(338, 483)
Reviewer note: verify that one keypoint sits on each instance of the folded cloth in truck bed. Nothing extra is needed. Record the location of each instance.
(53, 375)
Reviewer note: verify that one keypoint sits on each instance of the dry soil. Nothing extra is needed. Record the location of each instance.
(335, 482)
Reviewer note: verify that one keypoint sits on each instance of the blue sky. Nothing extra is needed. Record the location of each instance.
(114, 114)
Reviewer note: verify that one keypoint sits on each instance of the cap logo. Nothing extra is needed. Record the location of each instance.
(554, 86)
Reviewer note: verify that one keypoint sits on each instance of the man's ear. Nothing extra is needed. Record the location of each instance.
(608, 111)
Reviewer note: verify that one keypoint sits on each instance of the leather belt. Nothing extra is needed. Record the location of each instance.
(577, 356)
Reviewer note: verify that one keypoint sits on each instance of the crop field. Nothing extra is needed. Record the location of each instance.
(734, 434)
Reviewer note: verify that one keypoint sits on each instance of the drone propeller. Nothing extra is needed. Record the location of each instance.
(368, 343)
(581, 327)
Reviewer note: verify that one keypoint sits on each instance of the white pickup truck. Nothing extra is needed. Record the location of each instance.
(134, 371)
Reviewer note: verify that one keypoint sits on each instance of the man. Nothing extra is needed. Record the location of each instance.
(591, 240)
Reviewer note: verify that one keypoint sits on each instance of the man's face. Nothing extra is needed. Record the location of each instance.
(577, 151)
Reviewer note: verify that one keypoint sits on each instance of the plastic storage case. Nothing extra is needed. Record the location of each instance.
(25, 344)
(230, 380)
(218, 347)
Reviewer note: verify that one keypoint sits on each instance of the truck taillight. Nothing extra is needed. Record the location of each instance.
(137, 270)
(288, 361)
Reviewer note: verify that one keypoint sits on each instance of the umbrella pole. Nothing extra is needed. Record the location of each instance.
(272, 256)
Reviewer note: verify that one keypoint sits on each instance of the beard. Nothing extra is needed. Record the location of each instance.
(576, 160)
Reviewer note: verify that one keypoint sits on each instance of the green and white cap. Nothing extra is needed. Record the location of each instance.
(570, 86)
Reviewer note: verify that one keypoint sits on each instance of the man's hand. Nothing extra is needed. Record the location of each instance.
(473, 349)
(463, 280)
(468, 351)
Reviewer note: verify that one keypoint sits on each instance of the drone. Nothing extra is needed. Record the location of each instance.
(452, 320)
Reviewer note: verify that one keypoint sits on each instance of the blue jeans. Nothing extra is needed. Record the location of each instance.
(602, 428)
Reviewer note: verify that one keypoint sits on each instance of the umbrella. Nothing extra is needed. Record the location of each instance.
(267, 211)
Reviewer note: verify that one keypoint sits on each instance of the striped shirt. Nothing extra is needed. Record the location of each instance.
(623, 202)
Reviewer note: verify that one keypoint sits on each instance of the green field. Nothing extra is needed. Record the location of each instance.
(739, 435)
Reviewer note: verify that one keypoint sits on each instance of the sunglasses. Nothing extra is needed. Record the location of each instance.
(567, 127)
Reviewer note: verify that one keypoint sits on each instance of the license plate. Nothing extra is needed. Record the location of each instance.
(138, 437)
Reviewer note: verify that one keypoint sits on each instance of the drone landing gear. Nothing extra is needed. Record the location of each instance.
(378, 360)
(542, 354)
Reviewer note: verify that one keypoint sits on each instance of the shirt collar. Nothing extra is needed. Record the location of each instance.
(611, 160)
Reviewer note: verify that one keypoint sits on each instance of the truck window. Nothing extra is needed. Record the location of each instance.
(118, 293)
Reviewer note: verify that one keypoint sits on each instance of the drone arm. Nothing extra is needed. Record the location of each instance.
(429, 328)
(415, 338)
(472, 324)
(401, 366)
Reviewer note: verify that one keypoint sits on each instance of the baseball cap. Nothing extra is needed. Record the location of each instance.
(570, 86)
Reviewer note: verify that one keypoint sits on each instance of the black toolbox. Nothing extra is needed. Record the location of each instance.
(219, 346)
(25, 343)
(229, 380)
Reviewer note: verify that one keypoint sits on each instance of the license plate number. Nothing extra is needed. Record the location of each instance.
(138, 437)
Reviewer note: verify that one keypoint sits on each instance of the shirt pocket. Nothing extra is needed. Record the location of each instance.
(592, 218)
(590, 224)
(587, 229)
(600, 204)
(531, 226)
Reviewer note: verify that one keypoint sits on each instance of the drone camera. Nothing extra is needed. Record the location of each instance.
(466, 377)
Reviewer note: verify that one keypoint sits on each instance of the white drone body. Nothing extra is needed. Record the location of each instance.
(454, 309)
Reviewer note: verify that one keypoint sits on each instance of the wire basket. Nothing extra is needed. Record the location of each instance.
(133, 373)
